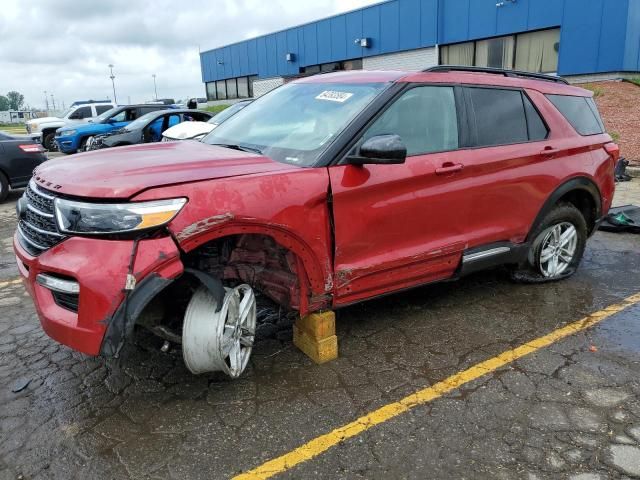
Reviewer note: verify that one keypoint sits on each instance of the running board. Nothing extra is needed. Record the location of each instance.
(472, 257)
(493, 255)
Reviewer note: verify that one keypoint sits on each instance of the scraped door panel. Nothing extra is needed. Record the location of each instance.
(396, 226)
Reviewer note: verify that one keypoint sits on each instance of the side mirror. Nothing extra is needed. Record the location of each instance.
(381, 150)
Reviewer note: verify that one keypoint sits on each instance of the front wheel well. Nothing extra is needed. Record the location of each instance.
(271, 269)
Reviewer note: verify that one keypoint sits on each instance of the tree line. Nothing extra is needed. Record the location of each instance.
(11, 101)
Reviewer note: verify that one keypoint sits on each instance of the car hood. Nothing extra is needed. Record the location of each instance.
(124, 171)
(88, 127)
(188, 130)
(40, 120)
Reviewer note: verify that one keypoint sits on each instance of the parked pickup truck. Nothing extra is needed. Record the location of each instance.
(329, 190)
(44, 129)
(73, 138)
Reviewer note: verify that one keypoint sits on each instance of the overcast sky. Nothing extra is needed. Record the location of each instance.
(64, 46)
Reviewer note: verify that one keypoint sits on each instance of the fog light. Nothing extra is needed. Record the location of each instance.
(58, 284)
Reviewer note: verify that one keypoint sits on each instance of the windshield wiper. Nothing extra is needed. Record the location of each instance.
(242, 148)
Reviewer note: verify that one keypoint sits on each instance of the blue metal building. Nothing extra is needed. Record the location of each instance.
(568, 37)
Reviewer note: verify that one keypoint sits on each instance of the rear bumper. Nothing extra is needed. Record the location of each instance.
(100, 268)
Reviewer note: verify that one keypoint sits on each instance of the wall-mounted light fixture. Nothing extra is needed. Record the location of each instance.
(363, 42)
(291, 57)
(505, 2)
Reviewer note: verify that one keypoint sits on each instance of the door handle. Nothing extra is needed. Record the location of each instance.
(448, 168)
(548, 151)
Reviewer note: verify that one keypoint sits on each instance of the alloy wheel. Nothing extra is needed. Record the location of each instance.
(558, 248)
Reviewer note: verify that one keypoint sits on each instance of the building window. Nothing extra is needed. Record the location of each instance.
(495, 53)
(538, 51)
(530, 52)
(355, 64)
(221, 90)
(211, 91)
(232, 88)
(459, 54)
(252, 79)
(243, 87)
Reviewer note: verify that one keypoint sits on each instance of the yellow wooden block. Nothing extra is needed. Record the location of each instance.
(318, 325)
(320, 351)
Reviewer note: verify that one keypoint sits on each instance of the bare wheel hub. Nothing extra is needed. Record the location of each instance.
(219, 339)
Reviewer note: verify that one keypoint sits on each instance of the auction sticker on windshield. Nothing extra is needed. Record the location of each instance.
(334, 96)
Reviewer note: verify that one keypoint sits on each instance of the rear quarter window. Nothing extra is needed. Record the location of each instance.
(580, 112)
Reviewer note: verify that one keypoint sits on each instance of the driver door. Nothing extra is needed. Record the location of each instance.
(397, 226)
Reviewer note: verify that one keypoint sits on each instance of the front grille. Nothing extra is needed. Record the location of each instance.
(37, 229)
(66, 300)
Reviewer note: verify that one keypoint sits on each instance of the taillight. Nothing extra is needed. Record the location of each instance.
(613, 150)
(31, 148)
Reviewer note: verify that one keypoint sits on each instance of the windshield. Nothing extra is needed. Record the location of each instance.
(141, 121)
(227, 113)
(296, 122)
(67, 112)
(103, 117)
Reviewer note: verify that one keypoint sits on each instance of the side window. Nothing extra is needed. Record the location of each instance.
(131, 114)
(81, 113)
(120, 117)
(100, 109)
(536, 128)
(424, 117)
(581, 112)
(499, 116)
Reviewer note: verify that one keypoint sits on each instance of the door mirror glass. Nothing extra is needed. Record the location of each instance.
(380, 149)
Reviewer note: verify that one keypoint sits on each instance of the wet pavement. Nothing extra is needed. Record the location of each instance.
(571, 410)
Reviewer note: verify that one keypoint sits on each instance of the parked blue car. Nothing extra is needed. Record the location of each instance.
(74, 138)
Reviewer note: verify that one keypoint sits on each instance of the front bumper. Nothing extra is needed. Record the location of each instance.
(100, 268)
(67, 144)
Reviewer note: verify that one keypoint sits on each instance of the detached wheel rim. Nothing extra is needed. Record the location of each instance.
(557, 249)
(219, 340)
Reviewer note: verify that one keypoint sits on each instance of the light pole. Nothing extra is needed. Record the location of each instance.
(113, 83)
(155, 89)
(46, 101)
(53, 102)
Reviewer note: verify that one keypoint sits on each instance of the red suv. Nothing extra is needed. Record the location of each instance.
(327, 191)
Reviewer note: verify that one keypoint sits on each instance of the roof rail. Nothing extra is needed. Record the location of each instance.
(497, 71)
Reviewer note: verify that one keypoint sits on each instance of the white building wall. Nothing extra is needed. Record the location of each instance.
(411, 60)
(260, 87)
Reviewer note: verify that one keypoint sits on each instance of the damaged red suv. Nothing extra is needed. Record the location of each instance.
(330, 190)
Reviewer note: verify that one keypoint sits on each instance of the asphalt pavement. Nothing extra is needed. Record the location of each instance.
(567, 410)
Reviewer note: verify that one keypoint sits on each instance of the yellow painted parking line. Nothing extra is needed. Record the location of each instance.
(324, 442)
(7, 283)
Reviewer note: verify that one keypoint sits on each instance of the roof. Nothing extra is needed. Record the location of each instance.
(449, 77)
(354, 76)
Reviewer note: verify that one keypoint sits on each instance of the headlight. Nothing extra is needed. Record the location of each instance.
(105, 218)
(68, 132)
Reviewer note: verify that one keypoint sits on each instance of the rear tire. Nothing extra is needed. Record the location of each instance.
(4, 187)
(556, 248)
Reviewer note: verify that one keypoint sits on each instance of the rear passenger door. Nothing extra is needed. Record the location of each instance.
(507, 141)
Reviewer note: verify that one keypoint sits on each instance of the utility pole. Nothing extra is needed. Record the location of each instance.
(155, 89)
(46, 101)
(113, 83)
